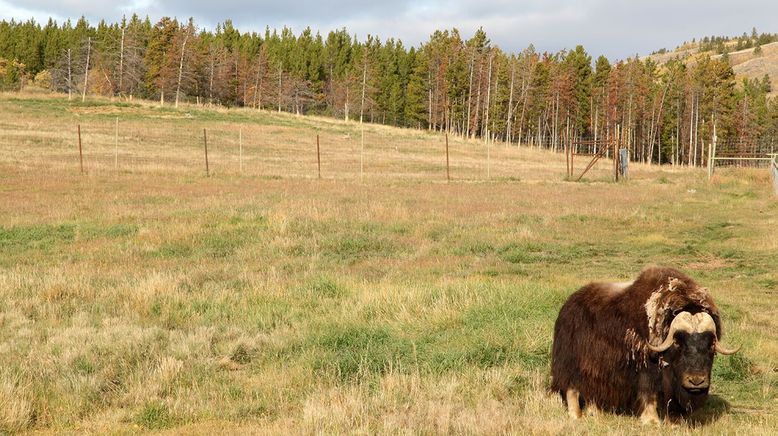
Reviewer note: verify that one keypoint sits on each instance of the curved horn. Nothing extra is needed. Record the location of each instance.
(682, 322)
(726, 351)
(705, 323)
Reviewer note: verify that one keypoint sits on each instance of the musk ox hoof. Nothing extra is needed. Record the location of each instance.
(593, 411)
(648, 418)
(573, 405)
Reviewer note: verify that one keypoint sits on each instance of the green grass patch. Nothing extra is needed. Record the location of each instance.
(172, 250)
(154, 416)
(735, 368)
(40, 237)
(352, 248)
(354, 352)
(324, 287)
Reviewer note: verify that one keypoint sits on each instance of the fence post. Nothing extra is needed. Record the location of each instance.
(616, 144)
(774, 170)
(624, 163)
(488, 159)
(80, 152)
(448, 169)
(205, 144)
(318, 155)
(567, 157)
(116, 146)
(715, 146)
(362, 156)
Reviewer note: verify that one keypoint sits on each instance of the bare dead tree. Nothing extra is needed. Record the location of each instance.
(72, 68)
(259, 77)
(364, 88)
(131, 68)
(186, 31)
(70, 75)
(280, 85)
(485, 130)
(510, 102)
(86, 69)
(302, 94)
(217, 71)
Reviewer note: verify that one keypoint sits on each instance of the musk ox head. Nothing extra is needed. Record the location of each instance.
(686, 355)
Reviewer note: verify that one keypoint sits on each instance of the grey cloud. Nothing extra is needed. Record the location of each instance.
(279, 11)
(72, 8)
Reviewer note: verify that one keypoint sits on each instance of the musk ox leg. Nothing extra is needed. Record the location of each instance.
(648, 402)
(649, 415)
(573, 405)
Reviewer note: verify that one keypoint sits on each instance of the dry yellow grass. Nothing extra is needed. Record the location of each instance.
(268, 302)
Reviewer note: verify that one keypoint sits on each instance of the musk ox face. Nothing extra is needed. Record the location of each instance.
(687, 356)
(690, 361)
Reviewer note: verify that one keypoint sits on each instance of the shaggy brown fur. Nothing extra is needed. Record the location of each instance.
(602, 333)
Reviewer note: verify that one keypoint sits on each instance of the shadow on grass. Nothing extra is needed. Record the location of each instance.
(714, 409)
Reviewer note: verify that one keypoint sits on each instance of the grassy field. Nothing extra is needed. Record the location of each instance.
(150, 297)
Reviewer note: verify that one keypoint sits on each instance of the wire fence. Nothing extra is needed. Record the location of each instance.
(284, 147)
(274, 145)
(261, 149)
(744, 154)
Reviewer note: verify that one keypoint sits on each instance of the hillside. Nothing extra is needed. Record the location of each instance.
(745, 63)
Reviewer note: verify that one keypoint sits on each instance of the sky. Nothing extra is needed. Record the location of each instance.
(615, 28)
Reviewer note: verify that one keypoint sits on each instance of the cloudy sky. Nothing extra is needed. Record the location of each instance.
(615, 28)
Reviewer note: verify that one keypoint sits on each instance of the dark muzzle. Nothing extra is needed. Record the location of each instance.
(696, 383)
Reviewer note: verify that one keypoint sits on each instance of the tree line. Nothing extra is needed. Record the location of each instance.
(663, 113)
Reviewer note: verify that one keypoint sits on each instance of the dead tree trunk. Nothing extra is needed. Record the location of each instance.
(510, 105)
(121, 63)
(181, 67)
(258, 84)
(86, 69)
(70, 77)
(470, 95)
(364, 85)
(280, 73)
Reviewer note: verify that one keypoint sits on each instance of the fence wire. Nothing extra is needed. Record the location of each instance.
(744, 154)
(284, 147)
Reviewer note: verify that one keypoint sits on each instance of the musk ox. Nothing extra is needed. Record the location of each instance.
(629, 347)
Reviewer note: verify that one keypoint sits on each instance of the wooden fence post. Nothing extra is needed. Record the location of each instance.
(205, 144)
(567, 156)
(774, 171)
(116, 146)
(318, 155)
(80, 152)
(616, 145)
(488, 159)
(448, 168)
(715, 145)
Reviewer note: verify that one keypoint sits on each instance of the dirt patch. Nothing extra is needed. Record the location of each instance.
(710, 265)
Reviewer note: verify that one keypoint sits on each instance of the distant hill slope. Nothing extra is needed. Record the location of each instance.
(745, 63)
